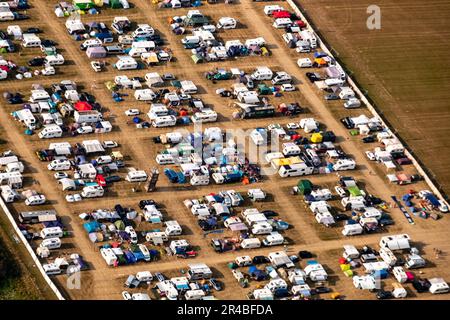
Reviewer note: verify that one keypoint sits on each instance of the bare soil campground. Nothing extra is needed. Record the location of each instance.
(404, 67)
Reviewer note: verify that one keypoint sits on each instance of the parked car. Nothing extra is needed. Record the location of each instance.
(126, 295)
(111, 179)
(370, 155)
(147, 202)
(384, 295)
(287, 87)
(110, 144)
(85, 130)
(36, 62)
(331, 97)
(60, 175)
(369, 139)
(269, 213)
(313, 77)
(132, 112)
(217, 285)
(33, 30)
(260, 259)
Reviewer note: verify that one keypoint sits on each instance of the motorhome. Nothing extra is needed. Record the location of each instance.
(295, 170)
(199, 271)
(51, 243)
(291, 149)
(204, 116)
(395, 242)
(194, 294)
(92, 192)
(126, 63)
(309, 36)
(144, 95)
(352, 103)
(30, 40)
(226, 23)
(282, 23)
(269, 9)
(143, 31)
(273, 239)
(164, 121)
(352, 229)
(250, 243)
(163, 159)
(53, 232)
(136, 176)
(144, 276)
(59, 165)
(54, 60)
(262, 73)
(344, 164)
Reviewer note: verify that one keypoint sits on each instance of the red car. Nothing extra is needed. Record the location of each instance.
(100, 180)
(300, 23)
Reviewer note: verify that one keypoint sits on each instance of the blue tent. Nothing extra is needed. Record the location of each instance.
(252, 269)
(91, 226)
(136, 120)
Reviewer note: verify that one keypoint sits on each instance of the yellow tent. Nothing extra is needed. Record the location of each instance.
(316, 138)
(116, 155)
(320, 61)
(98, 3)
(348, 273)
(345, 267)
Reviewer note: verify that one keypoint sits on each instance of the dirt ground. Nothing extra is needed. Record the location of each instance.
(403, 67)
(102, 282)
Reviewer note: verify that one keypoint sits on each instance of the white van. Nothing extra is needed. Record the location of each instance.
(194, 294)
(273, 239)
(226, 23)
(304, 63)
(291, 149)
(344, 164)
(164, 159)
(352, 103)
(51, 268)
(144, 276)
(295, 170)
(164, 121)
(282, 23)
(204, 116)
(144, 95)
(199, 180)
(50, 131)
(352, 229)
(136, 176)
(262, 228)
(35, 200)
(268, 10)
(59, 165)
(54, 60)
(400, 274)
(92, 192)
(51, 243)
(53, 232)
(262, 73)
(250, 243)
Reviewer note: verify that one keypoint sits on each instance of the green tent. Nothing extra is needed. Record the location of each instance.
(197, 58)
(115, 4)
(304, 187)
(354, 191)
(83, 4)
(119, 225)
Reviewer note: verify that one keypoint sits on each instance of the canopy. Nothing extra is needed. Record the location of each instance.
(82, 106)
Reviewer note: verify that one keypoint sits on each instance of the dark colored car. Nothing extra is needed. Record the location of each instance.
(312, 77)
(17, 99)
(269, 213)
(305, 254)
(421, 285)
(204, 225)
(33, 30)
(384, 295)
(147, 202)
(120, 164)
(48, 43)
(112, 179)
(160, 276)
(341, 217)
(260, 259)
(321, 290)
(217, 285)
(294, 258)
(36, 62)
(369, 139)
(348, 123)
(3, 35)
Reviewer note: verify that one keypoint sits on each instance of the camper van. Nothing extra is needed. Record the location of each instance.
(344, 164)
(164, 121)
(204, 116)
(262, 73)
(51, 269)
(269, 9)
(92, 192)
(194, 294)
(282, 23)
(273, 239)
(164, 159)
(173, 228)
(90, 43)
(136, 176)
(295, 170)
(30, 40)
(59, 165)
(50, 131)
(226, 23)
(54, 232)
(350, 252)
(352, 103)
(35, 200)
(388, 256)
(262, 228)
(400, 274)
(51, 243)
(126, 63)
(250, 243)
(55, 60)
(352, 229)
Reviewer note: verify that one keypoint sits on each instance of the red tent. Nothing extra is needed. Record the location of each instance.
(101, 180)
(342, 261)
(300, 23)
(281, 14)
(82, 106)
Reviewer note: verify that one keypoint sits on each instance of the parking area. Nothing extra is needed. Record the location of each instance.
(138, 139)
